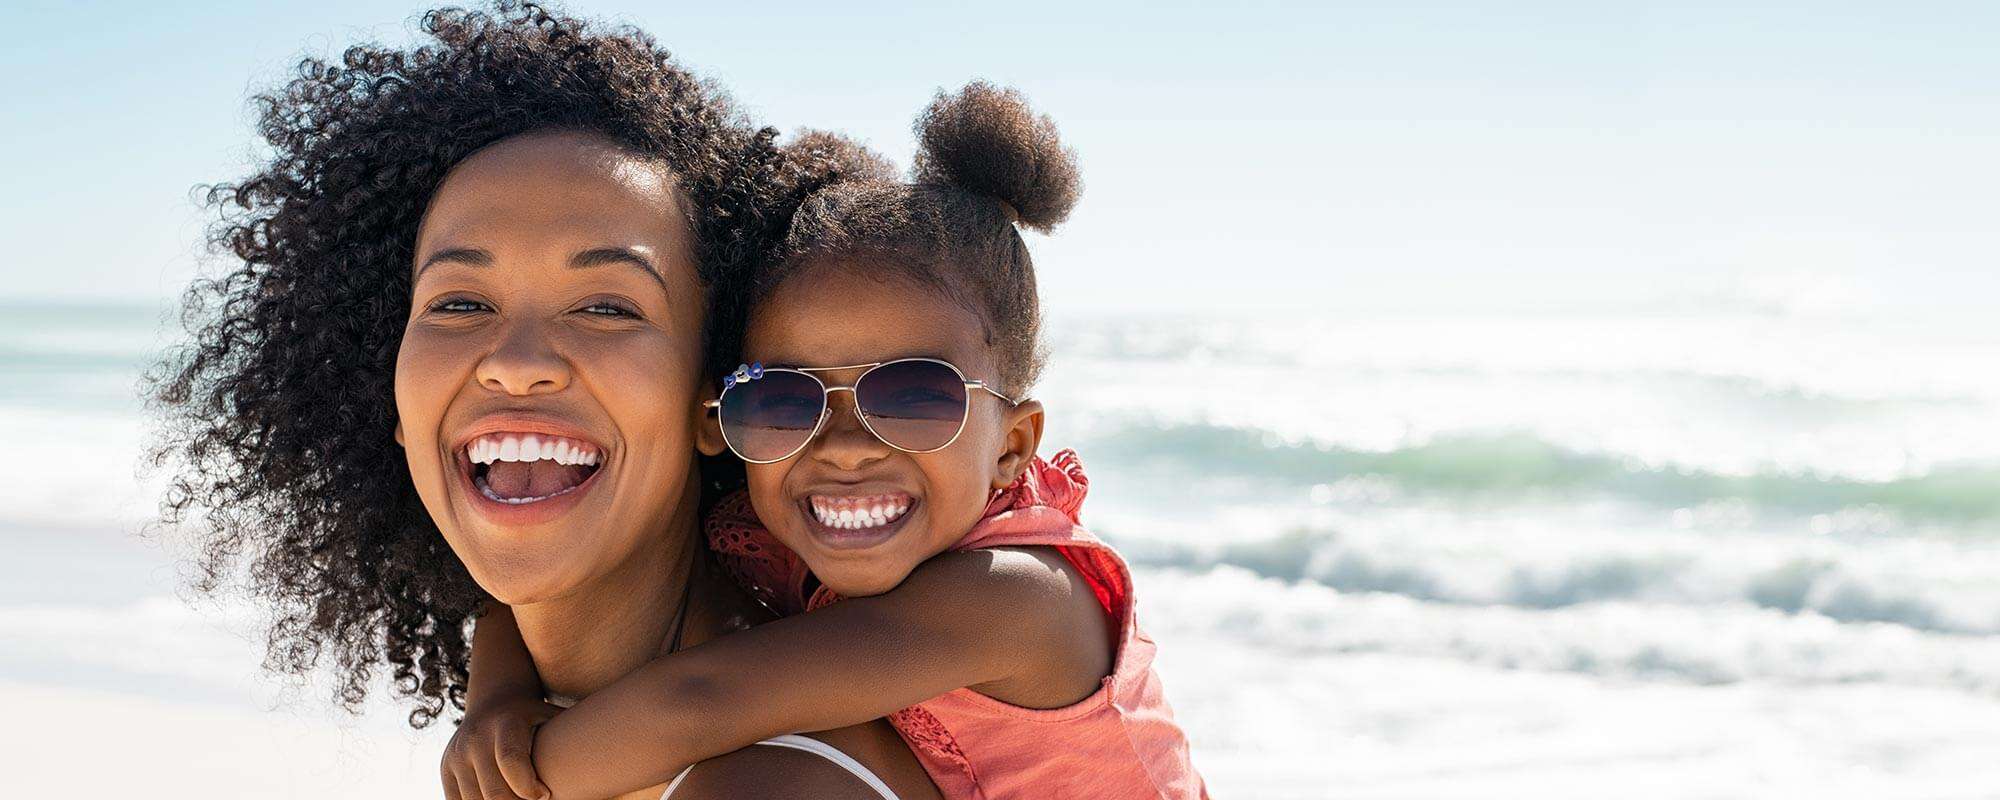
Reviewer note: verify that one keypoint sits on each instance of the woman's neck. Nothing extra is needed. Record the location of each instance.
(583, 641)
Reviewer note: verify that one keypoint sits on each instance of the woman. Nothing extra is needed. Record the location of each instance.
(523, 229)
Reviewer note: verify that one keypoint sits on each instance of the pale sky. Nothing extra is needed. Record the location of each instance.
(1404, 156)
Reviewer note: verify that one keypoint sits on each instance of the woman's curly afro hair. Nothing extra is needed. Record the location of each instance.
(278, 416)
(986, 163)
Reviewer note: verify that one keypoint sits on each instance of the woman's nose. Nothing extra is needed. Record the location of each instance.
(524, 363)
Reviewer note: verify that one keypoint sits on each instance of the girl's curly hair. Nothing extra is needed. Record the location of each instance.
(277, 417)
(986, 163)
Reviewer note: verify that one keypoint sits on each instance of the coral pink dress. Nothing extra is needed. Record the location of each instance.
(1120, 742)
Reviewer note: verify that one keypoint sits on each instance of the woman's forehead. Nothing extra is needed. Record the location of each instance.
(568, 191)
(564, 153)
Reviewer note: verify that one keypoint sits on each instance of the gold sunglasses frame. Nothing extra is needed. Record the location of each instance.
(826, 405)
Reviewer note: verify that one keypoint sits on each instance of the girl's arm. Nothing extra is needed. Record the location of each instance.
(501, 667)
(503, 703)
(1017, 624)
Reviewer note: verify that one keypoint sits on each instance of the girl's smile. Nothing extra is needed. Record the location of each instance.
(856, 513)
(856, 518)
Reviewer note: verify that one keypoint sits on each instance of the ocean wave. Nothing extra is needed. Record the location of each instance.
(1840, 586)
(1726, 356)
(120, 363)
(1521, 466)
(1627, 640)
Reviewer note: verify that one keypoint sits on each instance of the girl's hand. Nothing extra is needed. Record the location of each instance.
(491, 755)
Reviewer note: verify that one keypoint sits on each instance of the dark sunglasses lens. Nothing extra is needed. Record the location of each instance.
(914, 405)
(768, 418)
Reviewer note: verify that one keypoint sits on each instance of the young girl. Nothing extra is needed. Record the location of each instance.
(894, 493)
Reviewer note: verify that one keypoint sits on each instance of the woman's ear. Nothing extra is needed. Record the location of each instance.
(1024, 437)
(708, 424)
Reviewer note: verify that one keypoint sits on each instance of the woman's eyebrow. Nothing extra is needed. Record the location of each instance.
(469, 256)
(629, 256)
(597, 256)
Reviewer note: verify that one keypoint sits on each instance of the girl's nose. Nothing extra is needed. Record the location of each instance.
(843, 442)
(524, 363)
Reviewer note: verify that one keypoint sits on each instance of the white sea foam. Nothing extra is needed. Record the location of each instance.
(1273, 723)
(1465, 557)
(1626, 640)
(1733, 396)
(74, 468)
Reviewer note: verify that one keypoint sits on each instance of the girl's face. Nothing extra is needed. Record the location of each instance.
(547, 380)
(835, 316)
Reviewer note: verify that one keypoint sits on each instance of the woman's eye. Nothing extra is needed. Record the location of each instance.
(459, 306)
(609, 310)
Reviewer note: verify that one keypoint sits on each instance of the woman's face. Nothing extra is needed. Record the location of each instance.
(545, 389)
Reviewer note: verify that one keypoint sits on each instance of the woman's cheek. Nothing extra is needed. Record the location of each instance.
(644, 380)
(417, 378)
(427, 383)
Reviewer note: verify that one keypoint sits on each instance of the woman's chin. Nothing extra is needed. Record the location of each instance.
(522, 584)
(519, 569)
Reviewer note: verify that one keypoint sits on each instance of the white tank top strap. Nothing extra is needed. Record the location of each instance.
(815, 747)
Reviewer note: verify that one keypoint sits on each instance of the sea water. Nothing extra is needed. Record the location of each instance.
(1661, 553)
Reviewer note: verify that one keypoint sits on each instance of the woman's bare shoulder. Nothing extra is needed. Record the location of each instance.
(781, 772)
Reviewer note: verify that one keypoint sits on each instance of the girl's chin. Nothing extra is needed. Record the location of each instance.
(849, 584)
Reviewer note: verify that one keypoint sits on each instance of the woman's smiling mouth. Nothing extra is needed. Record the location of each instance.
(527, 469)
(518, 469)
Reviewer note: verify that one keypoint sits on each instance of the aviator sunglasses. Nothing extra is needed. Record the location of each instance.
(916, 405)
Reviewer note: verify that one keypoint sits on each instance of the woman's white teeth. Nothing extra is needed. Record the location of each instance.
(487, 490)
(518, 447)
(854, 513)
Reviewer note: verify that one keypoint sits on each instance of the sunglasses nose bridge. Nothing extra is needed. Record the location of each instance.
(826, 407)
(853, 400)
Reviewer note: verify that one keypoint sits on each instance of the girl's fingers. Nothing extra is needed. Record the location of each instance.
(512, 753)
(491, 785)
(450, 778)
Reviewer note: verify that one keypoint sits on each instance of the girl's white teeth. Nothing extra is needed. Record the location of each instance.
(857, 513)
(529, 447)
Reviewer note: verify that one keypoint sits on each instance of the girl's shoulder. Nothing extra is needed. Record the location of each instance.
(1067, 637)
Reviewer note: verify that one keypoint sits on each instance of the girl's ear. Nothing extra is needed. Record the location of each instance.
(708, 424)
(1024, 437)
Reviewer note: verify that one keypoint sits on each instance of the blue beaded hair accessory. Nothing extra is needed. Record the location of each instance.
(744, 374)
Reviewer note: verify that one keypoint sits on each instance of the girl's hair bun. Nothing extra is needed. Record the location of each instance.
(986, 140)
